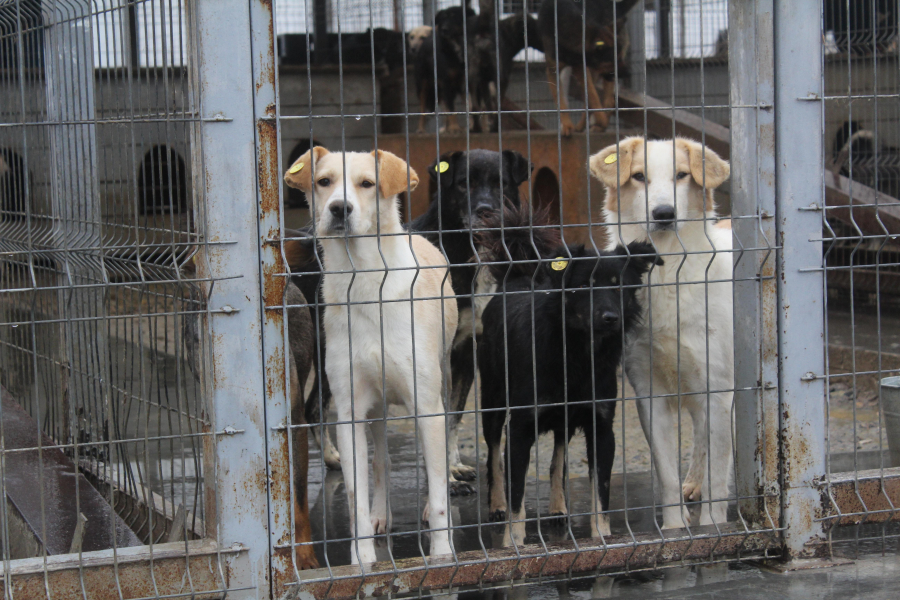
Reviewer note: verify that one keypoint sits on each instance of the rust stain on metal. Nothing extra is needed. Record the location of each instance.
(134, 577)
(476, 567)
(864, 497)
(275, 374)
(269, 172)
(267, 76)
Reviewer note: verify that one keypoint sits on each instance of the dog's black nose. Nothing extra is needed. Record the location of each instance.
(664, 213)
(610, 318)
(338, 208)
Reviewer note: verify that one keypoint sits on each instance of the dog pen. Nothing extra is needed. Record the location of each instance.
(145, 235)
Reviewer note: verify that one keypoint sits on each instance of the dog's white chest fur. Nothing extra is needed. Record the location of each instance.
(368, 330)
(687, 314)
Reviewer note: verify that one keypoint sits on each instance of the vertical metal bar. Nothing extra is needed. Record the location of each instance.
(801, 316)
(751, 70)
(225, 75)
(75, 202)
(277, 406)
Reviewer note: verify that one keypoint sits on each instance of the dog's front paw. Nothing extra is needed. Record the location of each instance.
(463, 472)
(690, 489)
(380, 525)
(566, 127)
(557, 519)
(460, 488)
(497, 516)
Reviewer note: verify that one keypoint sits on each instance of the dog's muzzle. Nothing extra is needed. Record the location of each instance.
(340, 216)
(663, 218)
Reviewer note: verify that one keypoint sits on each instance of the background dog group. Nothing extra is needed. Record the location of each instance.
(469, 57)
(656, 206)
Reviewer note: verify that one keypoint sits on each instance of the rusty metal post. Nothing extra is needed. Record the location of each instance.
(225, 75)
(751, 68)
(272, 283)
(801, 316)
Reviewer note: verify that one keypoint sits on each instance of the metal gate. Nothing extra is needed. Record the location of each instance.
(147, 373)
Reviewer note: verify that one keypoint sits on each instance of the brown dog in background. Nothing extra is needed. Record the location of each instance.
(579, 34)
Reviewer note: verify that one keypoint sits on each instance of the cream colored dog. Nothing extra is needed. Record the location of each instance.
(392, 342)
(683, 352)
(416, 36)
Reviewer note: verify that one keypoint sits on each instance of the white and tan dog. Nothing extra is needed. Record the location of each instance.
(684, 351)
(384, 348)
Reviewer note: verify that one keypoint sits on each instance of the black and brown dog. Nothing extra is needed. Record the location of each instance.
(464, 188)
(493, 48)
(443, 54)
(548, 356)
(578, 34)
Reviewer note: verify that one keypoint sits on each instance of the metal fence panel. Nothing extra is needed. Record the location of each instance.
(164, 319)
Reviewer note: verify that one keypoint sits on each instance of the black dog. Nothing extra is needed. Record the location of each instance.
(581, 33)
(487, 48)
(467, 186)
(464, 187)
(582, 306)
(444, 51)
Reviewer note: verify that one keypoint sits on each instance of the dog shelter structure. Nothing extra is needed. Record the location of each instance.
(145, 403)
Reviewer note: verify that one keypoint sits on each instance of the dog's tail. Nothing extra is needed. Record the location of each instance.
(515, 240)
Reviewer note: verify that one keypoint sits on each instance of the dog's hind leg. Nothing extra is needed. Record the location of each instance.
(305, 554)
(600, 442)
(715, 486)
(431, 430)
(693, 483)
(381, 478)
(423, 106)
(560, 96)
(659, 420)
(462, 368)
(519, 439)
(492, 423)
(352, 442)
(315, 409)
(558, 469)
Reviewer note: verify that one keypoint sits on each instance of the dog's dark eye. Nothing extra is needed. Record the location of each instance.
(639, 177)
(324, 182)
(366, 184)
(681, 175)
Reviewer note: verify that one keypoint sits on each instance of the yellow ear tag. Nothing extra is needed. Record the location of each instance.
(559, 264)
(442, 167)
(296, 167)
(611, 158)
(600, 43)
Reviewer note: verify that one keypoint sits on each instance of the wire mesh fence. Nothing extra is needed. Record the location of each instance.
(241, 244)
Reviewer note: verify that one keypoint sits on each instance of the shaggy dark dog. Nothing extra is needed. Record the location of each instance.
(574, 306)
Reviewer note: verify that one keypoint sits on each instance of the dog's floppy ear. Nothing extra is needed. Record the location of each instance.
(442, 170)
(641, 255)
(299, 175)
(518, 165)
(717, 169)
(612, 165)
(392, 173)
